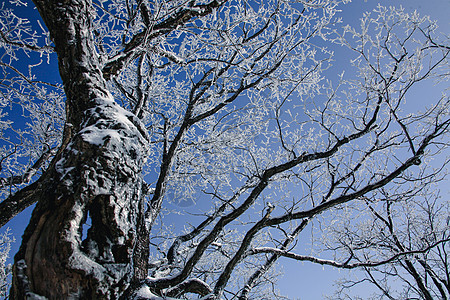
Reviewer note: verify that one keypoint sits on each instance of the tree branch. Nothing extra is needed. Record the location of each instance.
(136, 46)
(333, 263)
(194, 285)
(15, 204)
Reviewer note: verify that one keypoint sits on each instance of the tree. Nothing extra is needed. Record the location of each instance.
(5, 270)
(219, 102)
(410, 230)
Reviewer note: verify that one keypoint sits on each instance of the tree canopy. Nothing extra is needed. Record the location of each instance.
(189, 145)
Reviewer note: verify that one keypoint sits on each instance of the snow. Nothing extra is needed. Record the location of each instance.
(96, 136)
(145, 293)
(33, 296)
(119, 120)
(114, 131)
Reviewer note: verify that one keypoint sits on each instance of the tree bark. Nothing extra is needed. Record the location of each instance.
(97, 176)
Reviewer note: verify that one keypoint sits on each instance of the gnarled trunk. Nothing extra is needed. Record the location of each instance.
(96, 177)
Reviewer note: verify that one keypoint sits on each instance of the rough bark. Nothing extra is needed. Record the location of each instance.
(98, 175)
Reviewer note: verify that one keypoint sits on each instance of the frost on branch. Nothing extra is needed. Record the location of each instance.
(5, 269)
(235, 107)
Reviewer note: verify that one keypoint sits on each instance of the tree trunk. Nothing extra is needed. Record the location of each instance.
(96, 178)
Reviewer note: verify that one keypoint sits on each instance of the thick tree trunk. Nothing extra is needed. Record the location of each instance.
(99, 180)
(97, 177)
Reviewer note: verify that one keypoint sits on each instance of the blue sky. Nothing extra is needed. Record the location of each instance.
(305, 280)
